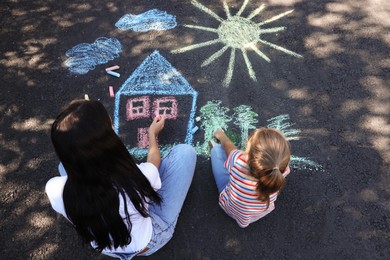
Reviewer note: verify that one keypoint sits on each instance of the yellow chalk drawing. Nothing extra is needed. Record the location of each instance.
(238, 33)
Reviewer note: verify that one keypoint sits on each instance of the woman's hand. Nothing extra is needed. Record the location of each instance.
(157, 125)
(154, 152)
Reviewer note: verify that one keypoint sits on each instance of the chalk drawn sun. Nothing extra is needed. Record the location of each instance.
(238, 33)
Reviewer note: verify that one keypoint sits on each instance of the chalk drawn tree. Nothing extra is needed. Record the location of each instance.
(281, 123)
(245, 119)
(214, 116)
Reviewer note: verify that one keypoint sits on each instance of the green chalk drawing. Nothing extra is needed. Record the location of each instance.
(304, 163)
(279, 122)
(213, 117)
(233, 136)
(238, 32)
(245, 119)
(141, 153)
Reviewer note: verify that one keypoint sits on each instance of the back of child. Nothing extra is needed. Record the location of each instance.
(249, 181)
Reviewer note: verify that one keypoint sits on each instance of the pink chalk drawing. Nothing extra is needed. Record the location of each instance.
(166, 106)
(138, 107)
(143, 138)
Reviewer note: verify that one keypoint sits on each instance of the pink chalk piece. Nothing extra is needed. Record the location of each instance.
(166, 106)
(112, 68)
(111, 91)
(137, 108)
(143, 138)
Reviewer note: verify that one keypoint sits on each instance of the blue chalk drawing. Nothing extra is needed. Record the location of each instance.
(155, 76)
(85, 56)
(150, 20)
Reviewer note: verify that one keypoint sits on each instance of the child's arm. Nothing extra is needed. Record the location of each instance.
(154, 152)
(227, 145)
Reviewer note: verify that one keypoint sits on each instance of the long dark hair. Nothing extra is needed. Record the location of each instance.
(268, 157)
(99, 169)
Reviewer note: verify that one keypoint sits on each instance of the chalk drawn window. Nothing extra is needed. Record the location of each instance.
(137, 108)
(166, 106)
(143, 138)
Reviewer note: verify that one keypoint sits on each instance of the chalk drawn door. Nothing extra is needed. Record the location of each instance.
(143, 137)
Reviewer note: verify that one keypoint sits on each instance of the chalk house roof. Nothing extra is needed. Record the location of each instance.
(156, 76)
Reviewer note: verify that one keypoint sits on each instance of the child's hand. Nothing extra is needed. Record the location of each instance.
(157, 125)
(219, 134)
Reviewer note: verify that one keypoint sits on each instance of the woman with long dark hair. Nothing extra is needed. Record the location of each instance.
(122, 208)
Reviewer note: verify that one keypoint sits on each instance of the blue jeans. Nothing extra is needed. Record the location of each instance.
(176, 171)
(221, 175)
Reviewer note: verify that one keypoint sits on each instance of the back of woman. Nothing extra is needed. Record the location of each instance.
(101, 190)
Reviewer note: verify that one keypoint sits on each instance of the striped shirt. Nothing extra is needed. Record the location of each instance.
(239, 198)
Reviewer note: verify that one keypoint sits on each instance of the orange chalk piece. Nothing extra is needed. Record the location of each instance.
(111, 91)
(112, 68)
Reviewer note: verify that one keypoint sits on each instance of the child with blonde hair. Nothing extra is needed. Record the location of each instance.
(249, 181)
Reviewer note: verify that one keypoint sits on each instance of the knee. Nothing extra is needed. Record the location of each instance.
(186, 150)
(216, 150)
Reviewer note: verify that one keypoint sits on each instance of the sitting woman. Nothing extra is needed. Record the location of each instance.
(122, 208)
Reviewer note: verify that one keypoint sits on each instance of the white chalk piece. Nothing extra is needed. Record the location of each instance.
(197, 119)
(194, 130)
(115, 74)
(86, 97)
(112, 68)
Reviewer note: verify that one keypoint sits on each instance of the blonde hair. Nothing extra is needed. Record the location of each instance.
(268, 157)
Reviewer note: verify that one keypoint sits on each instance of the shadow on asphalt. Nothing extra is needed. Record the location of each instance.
(338, 94)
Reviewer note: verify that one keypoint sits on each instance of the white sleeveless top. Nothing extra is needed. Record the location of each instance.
(141, 230)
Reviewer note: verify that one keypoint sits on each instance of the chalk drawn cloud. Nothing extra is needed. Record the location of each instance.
(150, 20)
(85, 56)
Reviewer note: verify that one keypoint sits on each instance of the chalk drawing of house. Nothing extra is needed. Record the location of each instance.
(155, 87)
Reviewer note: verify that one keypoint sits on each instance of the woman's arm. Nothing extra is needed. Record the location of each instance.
(226, 143)
(154, 152)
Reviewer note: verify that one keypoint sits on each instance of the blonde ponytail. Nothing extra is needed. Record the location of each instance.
(268, 157)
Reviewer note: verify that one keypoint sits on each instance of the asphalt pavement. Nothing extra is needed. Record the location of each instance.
(328, 70)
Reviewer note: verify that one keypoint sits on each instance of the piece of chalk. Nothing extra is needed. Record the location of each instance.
(113, 73)
(197, 119)
(194, 130)
(86, 97)
(112, 68)
(111, 91)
